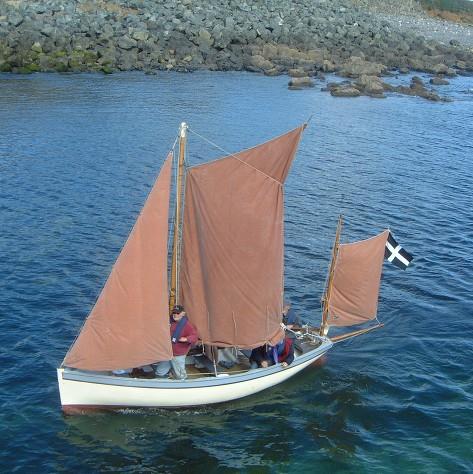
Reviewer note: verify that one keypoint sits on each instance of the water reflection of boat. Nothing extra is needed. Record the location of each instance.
(226, 267)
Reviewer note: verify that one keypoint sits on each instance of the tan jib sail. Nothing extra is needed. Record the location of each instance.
(231, 279)
(356, 280)
(129, 324)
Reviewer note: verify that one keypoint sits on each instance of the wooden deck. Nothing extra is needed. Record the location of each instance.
(243, 365)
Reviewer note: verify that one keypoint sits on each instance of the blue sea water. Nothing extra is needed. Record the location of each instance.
(78, 155)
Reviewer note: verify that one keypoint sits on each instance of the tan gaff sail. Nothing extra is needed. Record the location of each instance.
(129, 324)
(356, 280)
(233, 244)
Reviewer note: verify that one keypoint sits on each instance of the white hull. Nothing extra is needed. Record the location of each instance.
(80, 390)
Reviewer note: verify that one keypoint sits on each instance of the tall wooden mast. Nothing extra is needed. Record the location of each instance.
(174, 289)
(328, 289)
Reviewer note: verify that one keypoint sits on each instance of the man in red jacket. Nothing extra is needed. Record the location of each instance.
(183, 336)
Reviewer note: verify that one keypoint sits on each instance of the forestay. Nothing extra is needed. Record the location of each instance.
(231, 278)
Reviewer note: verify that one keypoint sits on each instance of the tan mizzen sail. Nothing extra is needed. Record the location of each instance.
(356, 280)
(129, 324)
(233, 244)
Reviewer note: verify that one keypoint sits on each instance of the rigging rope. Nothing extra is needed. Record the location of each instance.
(209, 141)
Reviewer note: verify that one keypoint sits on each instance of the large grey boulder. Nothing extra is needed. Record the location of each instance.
(345, 91)
(106, 32)
(417, 88)
(297, 72)
(370, 85)
(270, 51)
(438, 69)
(128, 60)
(204, 39)
(259, 63)
(107, 56)
(328, 66)
(300, 83)
(439, 81)
(36, 47)
(357, 66)
(275, 71)
(126, 43)
(140, 35)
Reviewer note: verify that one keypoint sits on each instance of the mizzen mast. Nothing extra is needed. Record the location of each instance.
(328, 289)
(174, 288)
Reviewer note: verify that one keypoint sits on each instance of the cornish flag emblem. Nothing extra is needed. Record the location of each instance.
(396, 254)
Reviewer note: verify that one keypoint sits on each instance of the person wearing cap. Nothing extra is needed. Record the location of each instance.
(183, 336)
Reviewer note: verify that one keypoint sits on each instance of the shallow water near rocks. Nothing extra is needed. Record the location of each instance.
(78, 154)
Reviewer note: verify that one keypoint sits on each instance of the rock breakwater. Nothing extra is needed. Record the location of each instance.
(271, 37)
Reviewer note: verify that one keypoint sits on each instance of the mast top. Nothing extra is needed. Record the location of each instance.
(183, 130)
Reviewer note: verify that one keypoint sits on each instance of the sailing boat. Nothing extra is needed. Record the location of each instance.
(227, 269)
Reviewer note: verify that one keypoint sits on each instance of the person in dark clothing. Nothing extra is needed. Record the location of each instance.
(281, 353)
(289, 317)
(259, 357)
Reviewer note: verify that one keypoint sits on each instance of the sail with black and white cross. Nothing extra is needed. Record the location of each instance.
(395, 254)
(352, 289)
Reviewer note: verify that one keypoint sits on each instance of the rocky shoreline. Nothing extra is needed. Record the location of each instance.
(303, 38)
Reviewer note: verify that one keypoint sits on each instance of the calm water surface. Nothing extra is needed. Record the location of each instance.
(78, 155)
